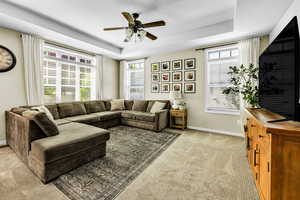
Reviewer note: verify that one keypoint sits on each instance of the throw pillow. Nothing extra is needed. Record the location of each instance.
(18, 111)
(41, 119)
(45, 110)
(117, 104)
(140, 105)
(94, 106)
(157, 106)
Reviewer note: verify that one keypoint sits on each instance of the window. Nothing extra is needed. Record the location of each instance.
(68, 75)
(218, 61)
(135, 78)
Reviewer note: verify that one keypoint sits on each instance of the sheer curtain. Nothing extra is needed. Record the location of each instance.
(249, 54)
(123, 80)
(32, 54)
(99, 77)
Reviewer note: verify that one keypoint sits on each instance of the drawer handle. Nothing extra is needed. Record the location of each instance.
(255, 155)
(260, 136)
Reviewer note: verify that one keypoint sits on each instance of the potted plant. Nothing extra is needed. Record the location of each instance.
(244, 81)
(182, 105)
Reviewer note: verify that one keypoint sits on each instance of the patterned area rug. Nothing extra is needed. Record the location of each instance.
(129, 152)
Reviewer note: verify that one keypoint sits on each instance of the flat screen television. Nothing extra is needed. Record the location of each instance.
(279, 74)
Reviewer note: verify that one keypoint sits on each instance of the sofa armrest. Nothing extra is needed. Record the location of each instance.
(162, 119)
(20, 132)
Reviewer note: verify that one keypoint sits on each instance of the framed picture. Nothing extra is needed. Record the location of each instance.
(177, 87)
(165, 66)
(155, 67)
(165, 77)
(190, 63)
(177, 65)
(155, 88)
(155, 77)
(189, 88)
(176, 76)
(190, 75)
(165, 88)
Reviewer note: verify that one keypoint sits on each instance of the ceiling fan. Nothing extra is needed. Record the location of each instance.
(136, 28)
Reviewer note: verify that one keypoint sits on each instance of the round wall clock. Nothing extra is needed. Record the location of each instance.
(7, 59)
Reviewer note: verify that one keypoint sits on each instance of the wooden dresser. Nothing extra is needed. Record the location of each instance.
(273, 152)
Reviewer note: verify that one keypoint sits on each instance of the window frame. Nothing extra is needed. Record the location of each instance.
(208, 109)
(140, 61)
(59, 62)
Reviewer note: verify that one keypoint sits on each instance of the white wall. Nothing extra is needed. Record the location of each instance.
(294, 10)
(12, 90)
(110, 78)
(197, 117)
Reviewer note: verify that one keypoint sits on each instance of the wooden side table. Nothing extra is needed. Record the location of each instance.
(178, 119)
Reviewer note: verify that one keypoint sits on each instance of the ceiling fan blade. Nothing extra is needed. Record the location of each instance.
(114, 28)
(151, 36)
(128, 17)
(154, 24)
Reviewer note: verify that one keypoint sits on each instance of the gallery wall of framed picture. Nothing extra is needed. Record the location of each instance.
(175, 75)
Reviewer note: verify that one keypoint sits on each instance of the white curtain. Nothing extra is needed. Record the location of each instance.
(32, 54)
(99, 77)
(249, 54)
(123, 80)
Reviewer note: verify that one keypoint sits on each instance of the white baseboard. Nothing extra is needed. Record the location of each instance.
(216, 131)
(2, 143)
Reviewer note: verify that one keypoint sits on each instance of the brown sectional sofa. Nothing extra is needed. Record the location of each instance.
(82, 137)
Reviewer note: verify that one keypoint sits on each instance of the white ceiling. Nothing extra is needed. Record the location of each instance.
(190, 23)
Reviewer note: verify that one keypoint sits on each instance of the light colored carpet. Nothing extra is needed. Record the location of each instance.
(197, 166)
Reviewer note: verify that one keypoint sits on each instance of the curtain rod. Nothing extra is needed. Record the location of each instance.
(67, 47)
(216, 45)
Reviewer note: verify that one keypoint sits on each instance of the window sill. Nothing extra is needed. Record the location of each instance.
(222, 112)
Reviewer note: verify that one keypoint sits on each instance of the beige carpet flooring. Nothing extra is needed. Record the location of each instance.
(197, 166)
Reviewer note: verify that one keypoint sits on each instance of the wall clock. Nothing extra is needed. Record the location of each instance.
(7, 59)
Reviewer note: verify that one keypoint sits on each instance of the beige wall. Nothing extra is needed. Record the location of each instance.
(12, 90)
(197, 117)
(110, 78)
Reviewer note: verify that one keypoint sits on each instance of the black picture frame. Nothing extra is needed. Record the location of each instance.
(177, 72)
(175, 68)
(163, 64)
(158, 75)
(187, 66)
(162, 85)
(162, 75)
(158, 88)
(158, 65)
(194, 75)
(174, 84)
(188, 91)
(14, 60)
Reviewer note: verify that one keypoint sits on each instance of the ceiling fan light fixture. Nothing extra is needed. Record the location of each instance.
(141, 35)
(129, 33)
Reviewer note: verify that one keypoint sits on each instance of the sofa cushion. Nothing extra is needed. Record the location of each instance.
(59, 122)
(83, 118)
(45, 110)
(79, 108)
(139, 105)
(157, 106)
(42, 120)
(53, 110)
(19, 111)
(71, 109)
(117, 104)
(65, 109)
(94, 106)
(108, 115)
(137, 115)
(151, 102)
(73, 138)
(128, 104)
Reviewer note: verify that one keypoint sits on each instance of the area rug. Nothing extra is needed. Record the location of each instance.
(129, 151)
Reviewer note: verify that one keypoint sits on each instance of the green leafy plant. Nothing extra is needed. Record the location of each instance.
(244, 80)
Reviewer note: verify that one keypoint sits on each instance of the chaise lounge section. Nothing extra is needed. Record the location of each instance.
(82, 133)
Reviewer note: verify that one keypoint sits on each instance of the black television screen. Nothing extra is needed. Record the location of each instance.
(279, 73)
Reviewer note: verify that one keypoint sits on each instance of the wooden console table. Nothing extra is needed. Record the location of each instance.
(178, 119)
(273, 152)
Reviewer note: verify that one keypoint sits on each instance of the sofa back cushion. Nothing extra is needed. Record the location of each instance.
(71, 109)
(140, 105)
(53, 110)
(151, 102)
(94, 106)
(157, 106)
(128, 104)
(117, 104)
